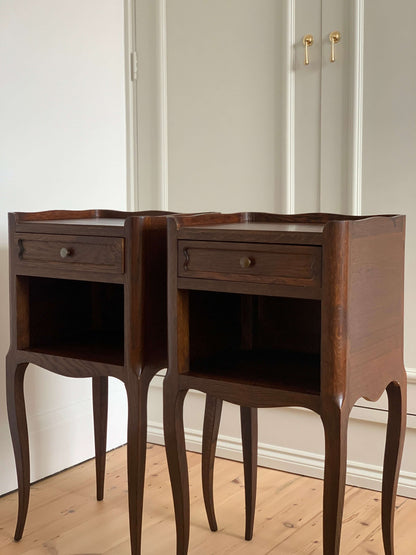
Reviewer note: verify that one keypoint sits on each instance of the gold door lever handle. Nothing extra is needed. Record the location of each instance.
(334, 38)
(307, 41)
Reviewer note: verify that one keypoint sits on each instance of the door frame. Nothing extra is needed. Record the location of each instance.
(130, 85)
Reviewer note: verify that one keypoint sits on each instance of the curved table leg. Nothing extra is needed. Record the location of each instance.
(249, 434)
(137, 389)
(335, 422)
(18, 429)
(396, 427)
(178, 467)
(212, 418)
(100, 409)
(213, 407)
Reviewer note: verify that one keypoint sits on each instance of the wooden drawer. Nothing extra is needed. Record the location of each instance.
(291, 265)
(69, 252)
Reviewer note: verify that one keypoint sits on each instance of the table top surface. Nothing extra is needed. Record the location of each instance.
(82, 226)
(258, 232)
(266, 226)
(82, 221)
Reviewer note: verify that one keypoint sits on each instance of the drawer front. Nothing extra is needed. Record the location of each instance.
(95, 254)
(291, 265)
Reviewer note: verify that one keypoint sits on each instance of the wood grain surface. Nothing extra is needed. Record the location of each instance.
(66, 519)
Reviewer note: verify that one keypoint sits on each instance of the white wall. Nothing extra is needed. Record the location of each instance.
(62, 145)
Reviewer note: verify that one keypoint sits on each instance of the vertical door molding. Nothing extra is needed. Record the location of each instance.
(146, 104)
(131, 106)
(163, 108)
(357, 108)
(287, 188)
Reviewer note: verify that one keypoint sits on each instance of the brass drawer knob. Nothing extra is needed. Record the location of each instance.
(246, 261)
(64, 252)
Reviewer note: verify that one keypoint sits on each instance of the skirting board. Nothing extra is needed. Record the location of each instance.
(290, 460)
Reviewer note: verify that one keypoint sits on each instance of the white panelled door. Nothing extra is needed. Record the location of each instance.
(229, 118)
(229, 115)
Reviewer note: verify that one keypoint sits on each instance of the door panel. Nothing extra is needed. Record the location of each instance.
(242, 114)
(224, 89)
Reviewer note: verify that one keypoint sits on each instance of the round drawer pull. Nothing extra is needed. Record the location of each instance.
(246, 261)
(64, 252)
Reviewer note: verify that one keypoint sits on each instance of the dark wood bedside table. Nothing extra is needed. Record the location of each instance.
(305, 310)
(88, 299)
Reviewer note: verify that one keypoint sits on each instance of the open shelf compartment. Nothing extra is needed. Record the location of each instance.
(74, 319)
(255, 340)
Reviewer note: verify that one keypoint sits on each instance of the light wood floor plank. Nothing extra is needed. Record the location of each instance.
(65, 519)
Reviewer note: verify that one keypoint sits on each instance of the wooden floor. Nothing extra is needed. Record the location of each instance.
(65, 519)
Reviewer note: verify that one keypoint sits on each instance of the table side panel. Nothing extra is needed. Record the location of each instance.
(375, 313)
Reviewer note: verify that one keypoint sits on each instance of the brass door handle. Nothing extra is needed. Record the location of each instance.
(334, 38)
(307, 41)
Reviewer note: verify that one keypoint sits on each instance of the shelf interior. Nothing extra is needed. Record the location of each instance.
(291, 371)
(255, 340)
(106, 348)
(75, 319)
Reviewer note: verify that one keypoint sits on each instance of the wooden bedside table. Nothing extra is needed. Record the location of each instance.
(88, 299)
(305, 310)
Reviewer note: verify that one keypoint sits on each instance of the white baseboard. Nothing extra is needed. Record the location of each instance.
(291, 460)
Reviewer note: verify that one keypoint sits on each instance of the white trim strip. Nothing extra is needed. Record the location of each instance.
(163, 108)
(358, 101)
(291, 460)
(411, 376)
(131, 108)
(288, 151)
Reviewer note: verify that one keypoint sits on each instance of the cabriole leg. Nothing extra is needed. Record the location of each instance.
(396, 427)
(212, 418)
(178, 467)
(18, 429)
(100, 409)
(335, 422)
(137, 390)
(249, 435)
